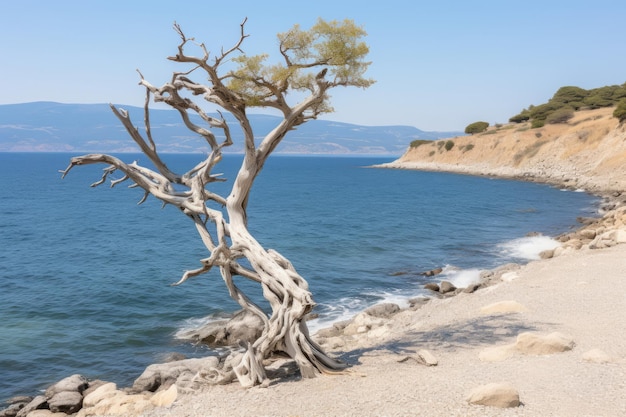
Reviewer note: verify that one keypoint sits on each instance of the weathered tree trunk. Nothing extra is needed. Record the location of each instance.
(339, 57)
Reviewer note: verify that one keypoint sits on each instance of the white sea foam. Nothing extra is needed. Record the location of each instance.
(528, 248)
(461, 278)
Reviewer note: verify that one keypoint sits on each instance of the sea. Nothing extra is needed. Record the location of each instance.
(86, 272)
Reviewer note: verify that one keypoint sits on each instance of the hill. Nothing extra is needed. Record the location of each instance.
(588, 152)
(57, 127)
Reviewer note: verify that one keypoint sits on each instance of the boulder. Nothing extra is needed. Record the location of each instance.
(432, 286)
(243, 327)
(165, 398)
(446, 287)
(432, 272)
(501, 395)
(97, 395)
(37, 403)
(535, 344)
(165, 374)
(76, 383)
(383, 310)
(67, 402)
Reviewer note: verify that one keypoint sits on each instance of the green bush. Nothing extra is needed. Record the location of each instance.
(620, 111)
(524, 116)
(419, 142)
(476, 127)
(449, 145)
(560, 115)
(536, 123)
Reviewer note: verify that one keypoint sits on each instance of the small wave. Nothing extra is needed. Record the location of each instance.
(528, 248)
(460, 278)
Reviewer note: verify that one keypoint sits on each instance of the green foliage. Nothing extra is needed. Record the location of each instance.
(568, 99)
(449, 145)
(419, 142)
(476, 127)
(620, 111)
(537, 123)
(561, 115)
(524, 116)
(330, 50)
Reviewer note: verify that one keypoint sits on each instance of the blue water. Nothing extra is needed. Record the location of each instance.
(85, 272)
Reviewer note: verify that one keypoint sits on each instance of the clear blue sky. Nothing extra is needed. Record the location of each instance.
(439, 65)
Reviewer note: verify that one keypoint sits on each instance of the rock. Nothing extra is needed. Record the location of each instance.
(546, 254)
(104, 391)
(423, 357)
(166, 397)
(418, 302)
(432, 286)
(37, 403)
(596, 356)
(383, 310)
(587, 233)
(166, 374)
(501, 395)
(432, 272)
(473, 287)
(120, 404)
(94, 385)
(534, 344)
(508, 306)
(243, 327)
(45, 413)
(67, 402)
(76, 383)
(446, 287)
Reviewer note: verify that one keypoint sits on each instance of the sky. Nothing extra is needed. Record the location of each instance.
(439, 65)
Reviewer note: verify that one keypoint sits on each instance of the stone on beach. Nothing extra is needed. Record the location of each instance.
(501, 395)
(534, 344)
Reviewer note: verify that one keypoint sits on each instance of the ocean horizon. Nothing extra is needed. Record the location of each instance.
(86, 272)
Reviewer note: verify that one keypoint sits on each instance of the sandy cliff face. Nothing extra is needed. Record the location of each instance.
(587, 152)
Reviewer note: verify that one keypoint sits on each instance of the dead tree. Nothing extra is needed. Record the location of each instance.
(311, 63)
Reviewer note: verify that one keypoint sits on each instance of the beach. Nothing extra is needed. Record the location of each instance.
(579, 294)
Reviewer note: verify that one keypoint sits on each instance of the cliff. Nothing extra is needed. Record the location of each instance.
(588, 152)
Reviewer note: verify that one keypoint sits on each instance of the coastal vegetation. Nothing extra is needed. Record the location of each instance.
(476, 127)
(331, 54)
(561, 107)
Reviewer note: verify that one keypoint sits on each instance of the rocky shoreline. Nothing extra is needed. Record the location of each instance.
(161, 384)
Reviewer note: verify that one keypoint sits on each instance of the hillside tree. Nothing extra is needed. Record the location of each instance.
(311, 63)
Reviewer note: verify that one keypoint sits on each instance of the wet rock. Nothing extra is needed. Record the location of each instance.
(432, 286)
(432, 272)
(446, 287)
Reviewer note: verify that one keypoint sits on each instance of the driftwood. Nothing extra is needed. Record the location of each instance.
(222, 221)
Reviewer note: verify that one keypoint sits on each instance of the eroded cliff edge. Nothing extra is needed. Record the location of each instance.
(588, 152)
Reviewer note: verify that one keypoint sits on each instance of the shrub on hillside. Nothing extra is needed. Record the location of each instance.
(536, 123)
(620, 111)
(524, 116)
(419, 142)
(476, 127)
(449, 145)
(560, 115)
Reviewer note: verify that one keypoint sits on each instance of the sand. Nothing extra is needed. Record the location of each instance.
(579, 294)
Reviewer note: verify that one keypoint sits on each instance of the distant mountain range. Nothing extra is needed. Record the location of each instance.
(58, 127)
